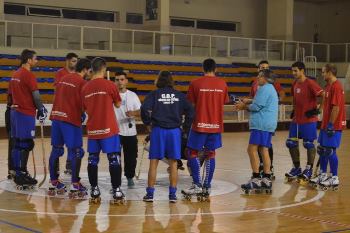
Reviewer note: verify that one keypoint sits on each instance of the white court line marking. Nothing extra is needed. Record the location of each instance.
(319, 195)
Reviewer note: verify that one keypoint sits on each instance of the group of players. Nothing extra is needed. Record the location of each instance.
(162, 111)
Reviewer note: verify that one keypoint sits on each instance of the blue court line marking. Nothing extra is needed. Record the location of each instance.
(342, 230)
(19, 226)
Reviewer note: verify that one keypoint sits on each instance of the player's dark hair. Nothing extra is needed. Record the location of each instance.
(300, 65)
(331, 68)
(268, 75)
(82, 64)
(209, 65)
(118, 73)
(71, 55)
(26, 55)
(263, 62)
(97, 64)
(164, 79)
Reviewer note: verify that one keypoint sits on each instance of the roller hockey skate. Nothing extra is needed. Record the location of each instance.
(253, 186)
(206, 194)
(330, 183)
(266, 185)
(305, 177)
(23, 182)
(77, 190)
(118, 197)
(293, 174)
(56, 188)
(314, 182)
(95, 195)
(194, 190)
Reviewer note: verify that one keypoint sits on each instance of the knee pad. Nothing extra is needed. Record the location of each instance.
(77, 152)
(292, 143)
(210, 154)
(93, 159)
(308, 144)
(57, 151)
(325, 151)
(114, 159)
(25, 144)
(191, 153)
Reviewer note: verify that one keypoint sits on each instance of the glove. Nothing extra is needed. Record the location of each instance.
(41, 114)
(330, 130)
(313, 112)
(291, 115)
(83, 117)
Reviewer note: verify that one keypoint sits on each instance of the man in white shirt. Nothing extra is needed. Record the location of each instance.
(129, 109)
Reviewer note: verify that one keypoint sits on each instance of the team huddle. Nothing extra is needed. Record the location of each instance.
(82, 91)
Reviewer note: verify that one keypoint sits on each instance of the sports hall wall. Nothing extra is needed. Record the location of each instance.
(330, 20)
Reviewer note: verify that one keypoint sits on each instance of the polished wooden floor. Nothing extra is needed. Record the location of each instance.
(291, 207)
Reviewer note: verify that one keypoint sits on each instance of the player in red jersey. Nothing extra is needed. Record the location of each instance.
(99, 96)
(208, 94)
(264, 65)
(333, 122)
(66, 117)
(71, 62)
(304, 123)
(25, 99)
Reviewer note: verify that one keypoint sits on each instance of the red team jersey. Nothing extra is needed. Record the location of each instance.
(99, 96)
(304, 99)
(60, 74)
(208, 94)
(67, 105)
(22, 84)
(255, 86)
(334, 96)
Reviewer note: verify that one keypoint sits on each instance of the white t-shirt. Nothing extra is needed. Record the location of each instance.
(130, 102)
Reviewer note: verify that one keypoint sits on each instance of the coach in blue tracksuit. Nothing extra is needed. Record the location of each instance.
(163, 110)
(262, 125)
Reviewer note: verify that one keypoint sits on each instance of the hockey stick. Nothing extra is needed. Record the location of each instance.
(140, 165)
(34, 167)
(43, 152)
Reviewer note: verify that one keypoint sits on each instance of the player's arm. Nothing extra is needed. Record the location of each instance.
(146, 109)
(282, 95)
(334, 114)
(189, 116)
(117, 104)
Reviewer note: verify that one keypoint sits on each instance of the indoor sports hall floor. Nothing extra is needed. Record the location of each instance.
(290, 208)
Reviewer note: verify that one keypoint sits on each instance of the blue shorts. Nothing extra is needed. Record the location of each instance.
(327, 141)
(307, 131)
(63, 133)
(260, 138)
(198, 141)
(165, 142)
(22, 125)
(107, 145)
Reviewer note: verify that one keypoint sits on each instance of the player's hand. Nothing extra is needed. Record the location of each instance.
(41, 114)
(246, 100)
(330, 130)
(130, 113)
(239, 106)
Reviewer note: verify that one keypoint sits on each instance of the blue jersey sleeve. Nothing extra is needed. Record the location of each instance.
(146, 109)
